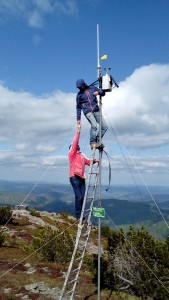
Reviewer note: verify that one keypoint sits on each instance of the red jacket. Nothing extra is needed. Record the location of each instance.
(76, 158)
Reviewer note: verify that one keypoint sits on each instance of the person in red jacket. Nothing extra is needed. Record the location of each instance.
(77, 163)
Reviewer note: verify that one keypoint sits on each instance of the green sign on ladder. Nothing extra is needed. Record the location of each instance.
(98, 212)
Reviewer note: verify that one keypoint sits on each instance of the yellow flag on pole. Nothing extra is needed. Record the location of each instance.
(104, 56)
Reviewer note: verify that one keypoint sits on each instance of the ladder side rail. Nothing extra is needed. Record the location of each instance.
(73, 259)
(88, 232)
(88, 221)
(71, 262)
(80, 263)
(79, 228)
(78, 235)
(93, 195)
(88, 228)
(87, 186)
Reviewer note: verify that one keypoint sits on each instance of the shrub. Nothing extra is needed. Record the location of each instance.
(137, 263)
(64, 215)
(2, 238)
(34, 212)
(53, 245)
(105, 231)
(5, 214)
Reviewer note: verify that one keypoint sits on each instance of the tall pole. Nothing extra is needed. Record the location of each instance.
(98, 54)
(100, 166)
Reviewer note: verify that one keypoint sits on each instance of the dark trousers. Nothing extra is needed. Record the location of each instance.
(78, 185)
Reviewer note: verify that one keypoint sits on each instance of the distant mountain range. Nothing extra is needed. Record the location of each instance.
(124, 205)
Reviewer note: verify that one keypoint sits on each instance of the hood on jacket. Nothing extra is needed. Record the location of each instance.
(80, 83)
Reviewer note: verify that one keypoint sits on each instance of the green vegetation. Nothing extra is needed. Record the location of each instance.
(134, 265)
(5, 214)
(2, 239)
(137, 263)
(34, 212)
(64, 215)
(53, 245)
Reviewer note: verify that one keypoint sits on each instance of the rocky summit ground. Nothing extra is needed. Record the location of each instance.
(24, 276)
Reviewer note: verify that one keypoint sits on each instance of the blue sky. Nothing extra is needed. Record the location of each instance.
(60, 45)
(45, 47)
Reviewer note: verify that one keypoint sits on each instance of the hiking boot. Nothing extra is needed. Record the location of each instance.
(96, 146)
(99, 146)
(93, 146)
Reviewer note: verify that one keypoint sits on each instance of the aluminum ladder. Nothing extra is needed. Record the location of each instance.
(83, 234)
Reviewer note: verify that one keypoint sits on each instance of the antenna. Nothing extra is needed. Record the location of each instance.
(100, 167)
(106, 83)
(98, 54)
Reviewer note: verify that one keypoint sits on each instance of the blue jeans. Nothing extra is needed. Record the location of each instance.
(94, 119)
(78, 185)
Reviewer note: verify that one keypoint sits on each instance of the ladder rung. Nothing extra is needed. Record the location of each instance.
(87, 209)
(80, 257)
(92, 184)
(73, 271)
(85, 234)
(93, 173)
(72, 281)
(80, 247)
(81, 250)
(69, 292)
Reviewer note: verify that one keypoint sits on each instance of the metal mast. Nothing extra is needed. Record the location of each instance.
(105, 83)
(100, 166)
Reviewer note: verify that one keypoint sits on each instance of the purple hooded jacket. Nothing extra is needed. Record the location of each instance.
(85, 100)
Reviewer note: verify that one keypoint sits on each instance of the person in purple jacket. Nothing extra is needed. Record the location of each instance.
(86, 101)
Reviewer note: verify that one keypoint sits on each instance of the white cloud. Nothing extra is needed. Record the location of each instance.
(35, 11)
(38, 130)
(35, 19)
(46, 6)
(45, 148)
(139, 108)
(21, 146)
(36, 124)
(14, 7)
